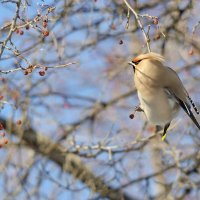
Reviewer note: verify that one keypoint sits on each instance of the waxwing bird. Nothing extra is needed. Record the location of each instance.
(160, 91)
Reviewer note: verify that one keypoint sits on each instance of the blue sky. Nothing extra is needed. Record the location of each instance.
(86, 78)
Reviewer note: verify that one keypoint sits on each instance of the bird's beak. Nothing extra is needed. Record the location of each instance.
(132, 63)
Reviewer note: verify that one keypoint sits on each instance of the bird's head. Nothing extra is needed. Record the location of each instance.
(148, 56)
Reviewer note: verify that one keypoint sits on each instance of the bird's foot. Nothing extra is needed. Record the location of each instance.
(164, 136)
(165, 131)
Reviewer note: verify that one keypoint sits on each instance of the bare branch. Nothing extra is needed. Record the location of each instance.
(137, 17)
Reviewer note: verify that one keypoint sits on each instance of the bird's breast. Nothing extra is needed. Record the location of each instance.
(158, 107)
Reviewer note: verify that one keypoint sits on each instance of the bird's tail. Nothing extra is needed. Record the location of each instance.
(193, 105)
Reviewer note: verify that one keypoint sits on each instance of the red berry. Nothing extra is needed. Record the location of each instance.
(45, 33)
(19, 122)
(44, 24)
(21, 32)
(42, 73)
(131, 116)
(121, 42)
(5, 141)
(1, 97)
(191, 51)
(3, 80)
(157, 36)
(1, 126)
(66, 105)
(113, 26)
(26, 72)
(155, 20)
(27, 27)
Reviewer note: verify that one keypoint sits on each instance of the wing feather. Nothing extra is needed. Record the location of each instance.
(187, 108)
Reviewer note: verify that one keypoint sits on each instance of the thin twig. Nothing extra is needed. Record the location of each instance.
(137, 17)
(12, 28)
(62, 66)
(37, 66)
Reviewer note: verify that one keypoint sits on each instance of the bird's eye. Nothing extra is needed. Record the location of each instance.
(136, 63)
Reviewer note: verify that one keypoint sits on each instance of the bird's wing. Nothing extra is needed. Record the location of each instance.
(187, 108)
(176, 89)
(175, 85)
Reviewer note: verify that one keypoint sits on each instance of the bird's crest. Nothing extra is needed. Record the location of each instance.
(151, 55)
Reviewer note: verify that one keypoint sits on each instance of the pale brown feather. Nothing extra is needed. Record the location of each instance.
(151, 55)
(150, 72)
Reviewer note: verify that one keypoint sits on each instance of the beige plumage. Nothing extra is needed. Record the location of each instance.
(160, 91)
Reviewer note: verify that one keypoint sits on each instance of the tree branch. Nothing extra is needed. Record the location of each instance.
(137, 17)
(68, 162)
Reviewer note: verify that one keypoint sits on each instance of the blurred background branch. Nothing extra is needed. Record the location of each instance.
(66, 94)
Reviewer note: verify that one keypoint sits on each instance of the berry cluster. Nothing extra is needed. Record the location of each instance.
(30, 69)
(3, 140)
(40, 23)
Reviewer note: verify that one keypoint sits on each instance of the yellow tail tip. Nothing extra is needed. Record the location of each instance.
(163, 137)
